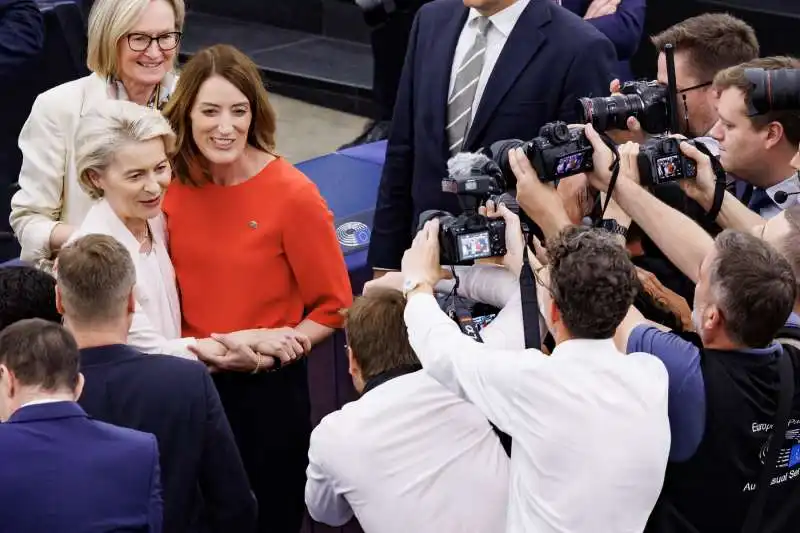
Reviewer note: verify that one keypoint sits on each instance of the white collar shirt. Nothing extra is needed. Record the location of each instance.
(589, 424)
(408, 456)
(502, 23)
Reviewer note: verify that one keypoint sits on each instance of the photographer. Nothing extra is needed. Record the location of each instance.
(759, 129)
(724, 388)
(704, 45)
(554, 406)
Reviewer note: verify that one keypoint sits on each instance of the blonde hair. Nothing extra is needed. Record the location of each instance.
(108, 127)
(109, 21)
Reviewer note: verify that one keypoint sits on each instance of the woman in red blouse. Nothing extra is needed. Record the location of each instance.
(253, 245)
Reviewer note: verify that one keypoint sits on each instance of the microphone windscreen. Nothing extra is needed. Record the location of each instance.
(461, 164)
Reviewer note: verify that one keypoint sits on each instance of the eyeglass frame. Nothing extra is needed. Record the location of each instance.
(178, 34)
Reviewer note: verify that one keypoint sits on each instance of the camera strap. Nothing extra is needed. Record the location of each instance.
(461, 315)
(530, 300)
(720, 181)
(614, 168)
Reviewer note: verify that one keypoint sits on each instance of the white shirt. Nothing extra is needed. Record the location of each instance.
(589, 424)
(789, 185)
(156, 324)
(501, 25)
(408, 456)
(496, 286)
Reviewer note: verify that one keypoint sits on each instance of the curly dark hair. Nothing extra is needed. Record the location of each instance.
(26, 292)
(592, 280)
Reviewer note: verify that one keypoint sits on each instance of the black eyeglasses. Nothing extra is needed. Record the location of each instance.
(139, 42)
(695, 87)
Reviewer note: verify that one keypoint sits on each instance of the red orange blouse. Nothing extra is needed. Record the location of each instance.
(262, 253)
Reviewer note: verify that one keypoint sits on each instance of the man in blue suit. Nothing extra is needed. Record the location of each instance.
(63, 472)
(205, 486)
(622, 21)
(476, 72)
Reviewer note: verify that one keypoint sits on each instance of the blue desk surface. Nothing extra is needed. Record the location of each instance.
(349, 181)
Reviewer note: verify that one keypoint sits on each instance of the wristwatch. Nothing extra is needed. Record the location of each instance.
(409, 285)
(612, 226)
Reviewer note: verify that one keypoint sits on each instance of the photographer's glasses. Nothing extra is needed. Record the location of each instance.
(139, 42)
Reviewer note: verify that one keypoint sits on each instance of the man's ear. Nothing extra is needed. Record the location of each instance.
(775, 134)
(353, 369)
(7, 378)
(79, 386)
(59, 301)
(554, 314)
(131, 303)
(714, 320)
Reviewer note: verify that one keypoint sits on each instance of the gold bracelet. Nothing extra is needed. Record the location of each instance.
(259, 359)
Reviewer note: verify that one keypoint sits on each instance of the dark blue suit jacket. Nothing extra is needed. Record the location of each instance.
(64, 473)
(21, 41)
(551, 58)
(205, 484)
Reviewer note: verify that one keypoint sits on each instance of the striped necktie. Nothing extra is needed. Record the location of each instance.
(459, 105)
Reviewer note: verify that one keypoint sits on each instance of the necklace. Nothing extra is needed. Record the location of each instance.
(145, 239)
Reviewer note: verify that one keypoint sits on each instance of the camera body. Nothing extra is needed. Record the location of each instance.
(464, 238)
(469, 236)
(559, 152)
(661, 161)
(647, 101)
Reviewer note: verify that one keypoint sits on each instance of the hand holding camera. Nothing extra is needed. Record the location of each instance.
(515, 240)
(420, 263)
(633, 131)
(703, 187)
(539, 200)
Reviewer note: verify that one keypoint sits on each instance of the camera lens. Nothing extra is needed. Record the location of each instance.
(609, 113)
(774, 90)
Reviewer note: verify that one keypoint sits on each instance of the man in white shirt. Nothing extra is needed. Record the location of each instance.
(589, 424)
(409, 455)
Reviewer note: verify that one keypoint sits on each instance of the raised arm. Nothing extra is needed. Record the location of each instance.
(36, 207)
(316, 260)
(624, 27)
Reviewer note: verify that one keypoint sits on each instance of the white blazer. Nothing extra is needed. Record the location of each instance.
(49, 191)
(152, 330)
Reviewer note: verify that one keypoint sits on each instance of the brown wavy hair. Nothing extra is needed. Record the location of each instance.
(229, 63)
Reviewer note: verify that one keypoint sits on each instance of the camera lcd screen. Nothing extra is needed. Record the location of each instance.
(474, 246)
(669, 168)
(570, 164)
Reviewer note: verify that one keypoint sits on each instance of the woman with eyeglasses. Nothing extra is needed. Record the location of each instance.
(131, 52)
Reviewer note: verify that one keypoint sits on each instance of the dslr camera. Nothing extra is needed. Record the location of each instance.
(474, 178)
(661, 161)
(648, 101)
(558, 152)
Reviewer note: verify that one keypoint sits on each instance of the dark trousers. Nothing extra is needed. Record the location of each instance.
(389, 42)
(270, 418)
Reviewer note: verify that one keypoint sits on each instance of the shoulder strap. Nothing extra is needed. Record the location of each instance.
(752, 521)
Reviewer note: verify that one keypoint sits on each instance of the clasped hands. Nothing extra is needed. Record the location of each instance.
(251, 350)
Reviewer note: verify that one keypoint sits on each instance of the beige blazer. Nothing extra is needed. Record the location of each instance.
(152, 329)
(49, 192)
